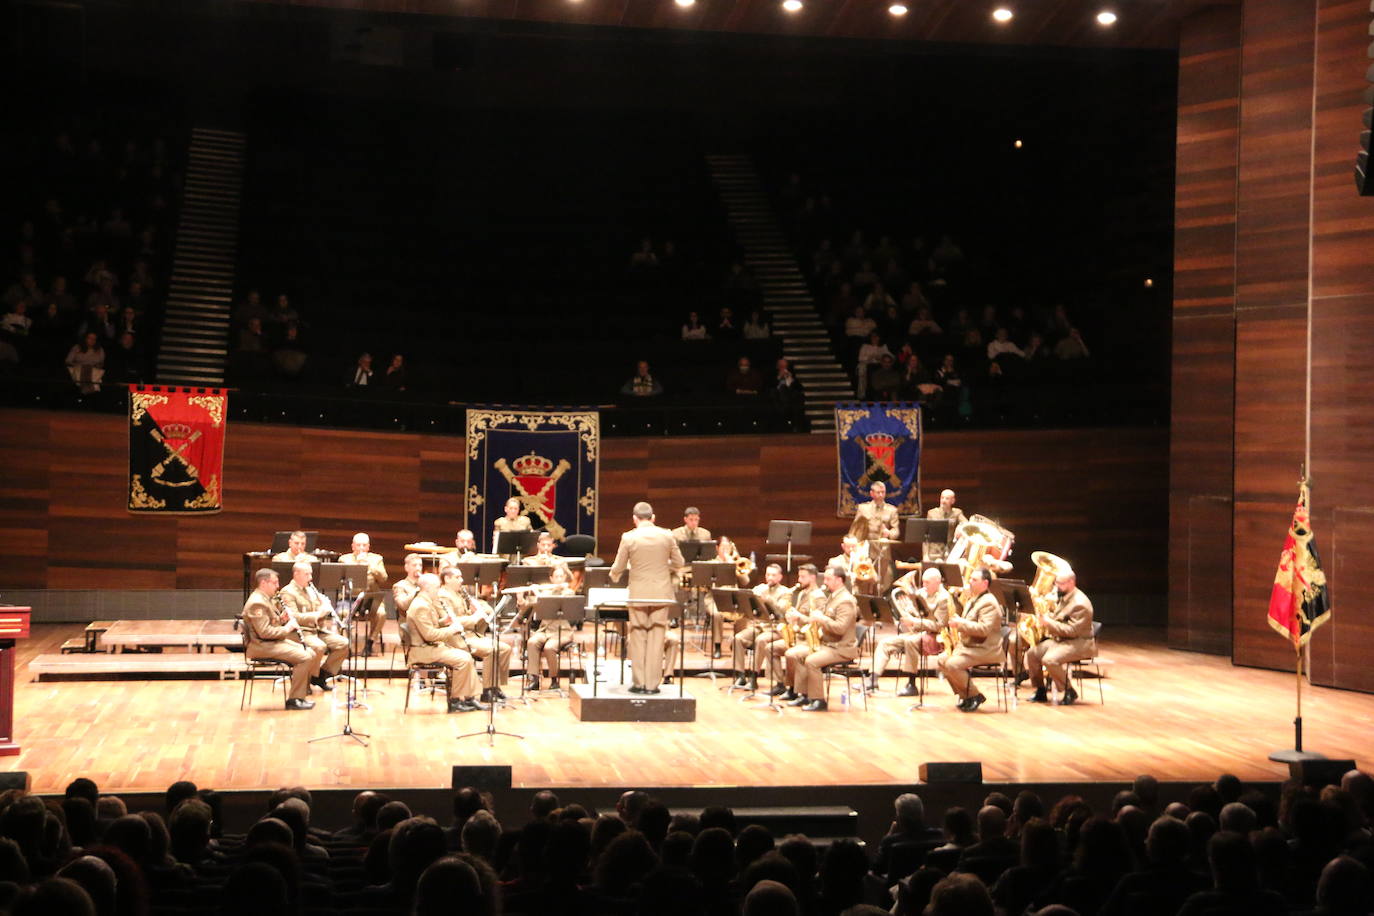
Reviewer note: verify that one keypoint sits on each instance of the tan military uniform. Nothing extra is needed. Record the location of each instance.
(376, 585)
(546, 640)
(745, 639)
(837, 620)
(267, 637)
(872, 521)
(652, 556)
(521, 523)
(312, 610)
(681, 533)
(437, 638)
(981, 643)
(939, 551)
(1070, 630)
(473, 638)
(287, 556)
(932, 616)
(402, 594)
(543, 559)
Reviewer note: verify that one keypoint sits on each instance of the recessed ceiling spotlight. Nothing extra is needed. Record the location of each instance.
(792, 6)
(1002, 14)
(1106, 17)
(897, 9)
(685, 3)
(1017, 144)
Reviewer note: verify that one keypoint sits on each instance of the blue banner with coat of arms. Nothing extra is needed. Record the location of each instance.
(546, 459)
(879, 442)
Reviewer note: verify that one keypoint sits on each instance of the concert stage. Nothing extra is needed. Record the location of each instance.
(1181, 716)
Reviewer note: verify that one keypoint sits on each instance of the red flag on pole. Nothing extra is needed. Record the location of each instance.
(1299, 602)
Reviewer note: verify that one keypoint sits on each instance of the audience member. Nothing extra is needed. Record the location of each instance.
(642, 384)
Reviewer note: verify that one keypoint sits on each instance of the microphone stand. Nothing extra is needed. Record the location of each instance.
(491, 731)
(351, 695)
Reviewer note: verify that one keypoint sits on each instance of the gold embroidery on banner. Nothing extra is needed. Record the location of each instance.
(209, 499)
(140, 401)
(475, 500)
(139, 498)
(211, 404)
(845, 420)
(588, 501)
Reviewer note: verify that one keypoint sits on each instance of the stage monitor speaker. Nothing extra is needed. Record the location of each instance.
(1319, 773)
(484, 778)
(18, 779)
(952, 772)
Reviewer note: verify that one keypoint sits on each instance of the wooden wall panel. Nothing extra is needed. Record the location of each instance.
(1095, 497)
(1203, 376)
(1273, 234)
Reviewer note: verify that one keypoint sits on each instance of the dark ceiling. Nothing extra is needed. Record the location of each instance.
(1048, 23)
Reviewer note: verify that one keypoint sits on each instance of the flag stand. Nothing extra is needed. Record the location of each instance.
(1295, 753)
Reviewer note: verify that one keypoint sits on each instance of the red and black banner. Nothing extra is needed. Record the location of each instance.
(176, 449)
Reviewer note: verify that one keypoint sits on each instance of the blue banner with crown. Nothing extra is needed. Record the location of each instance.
(547, 460)
(879, 442)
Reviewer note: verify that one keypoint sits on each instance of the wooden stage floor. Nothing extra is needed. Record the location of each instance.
(1180, 716)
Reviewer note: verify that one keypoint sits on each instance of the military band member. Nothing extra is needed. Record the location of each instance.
(511, 521)
(807, 597)
(295, 550)
(780, 596)
(547, 639)
(946, 511)
(916, 631)
(980, 632)
(849, 559)
(652, 556)
(361, 555)
(435, 637)
(725, 553)
(466, 543)
(836, 621)
(873, 521)
(690, 529)
(272, 633)
(474, 616)
(543, 553)
(1069, 628)
(405, 590)
(316, 616)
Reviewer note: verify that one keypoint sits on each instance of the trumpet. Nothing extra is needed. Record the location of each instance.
(744, 567)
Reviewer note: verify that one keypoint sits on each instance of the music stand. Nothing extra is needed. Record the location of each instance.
(1013, 595)
(711, 575)
(521, 576)
(737, 599)
(607, 603)
(477, 573)
(283, 569)
(565, 610)
(930, 531)
(597, 577)
(766, 617)
(693, 551)
(872, 609)
(789, 533)
(515, 543)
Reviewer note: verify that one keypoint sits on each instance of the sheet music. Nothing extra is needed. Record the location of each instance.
(600, 596)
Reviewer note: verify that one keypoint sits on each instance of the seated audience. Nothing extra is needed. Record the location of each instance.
(642, 384)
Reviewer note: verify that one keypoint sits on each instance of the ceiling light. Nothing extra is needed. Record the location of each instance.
(1106, 17)
(1017, 144)
(1002, 14)
(792, 6)
(897, 9)
(685, 3)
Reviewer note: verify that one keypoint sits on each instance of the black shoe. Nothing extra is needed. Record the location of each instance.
(799, 701)
(650, 691)
(1070, 696)
(462, 706)
(532, 682)
(816, 706)
(972, 704)
(638, 690)
(667, 680)
(779, 690)
(553, 684)
(1022, 678)
(367, 650)
(488, 696)
(741, 681)
(321, 681)
(715, 653)
(872, 684)
(300, 704)
(478, 704)
(908, 690)
(1041, 695)
(788, 694)
(500, 694)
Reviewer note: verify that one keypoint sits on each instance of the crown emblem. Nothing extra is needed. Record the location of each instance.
(881, 439)
(176, 430)
(532, 465)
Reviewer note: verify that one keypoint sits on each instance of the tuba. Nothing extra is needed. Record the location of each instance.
(903, 604)
(1048, 568)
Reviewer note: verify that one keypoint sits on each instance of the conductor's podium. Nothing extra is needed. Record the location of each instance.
(14, 625)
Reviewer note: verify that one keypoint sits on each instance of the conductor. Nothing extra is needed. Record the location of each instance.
(652, 556)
